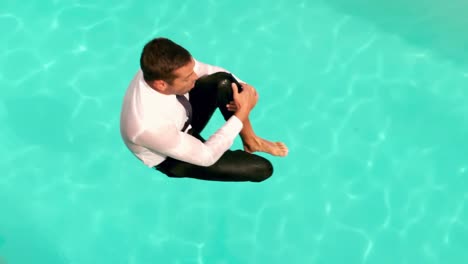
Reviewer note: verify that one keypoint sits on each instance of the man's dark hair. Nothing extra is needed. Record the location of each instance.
(160, 57)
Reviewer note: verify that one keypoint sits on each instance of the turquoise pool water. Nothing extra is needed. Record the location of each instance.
(370, 97)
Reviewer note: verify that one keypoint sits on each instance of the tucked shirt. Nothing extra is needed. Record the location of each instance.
(151, 124)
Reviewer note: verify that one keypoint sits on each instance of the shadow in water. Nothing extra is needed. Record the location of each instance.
(433, 25)
(44, 121)
(21, 240)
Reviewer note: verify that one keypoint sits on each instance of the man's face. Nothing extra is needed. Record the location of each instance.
(185, 79)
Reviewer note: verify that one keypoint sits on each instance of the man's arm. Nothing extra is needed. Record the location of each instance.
(169, 141)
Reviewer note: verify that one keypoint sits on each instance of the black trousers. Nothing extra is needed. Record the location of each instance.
(210, 93)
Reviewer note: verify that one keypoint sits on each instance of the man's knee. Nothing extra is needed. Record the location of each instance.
(219, 76)
(216, 78)
(265, 170)
(221, 81)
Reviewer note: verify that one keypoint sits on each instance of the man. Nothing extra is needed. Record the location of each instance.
(168, 104)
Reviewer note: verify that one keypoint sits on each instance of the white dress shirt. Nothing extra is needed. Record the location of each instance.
(151, 124)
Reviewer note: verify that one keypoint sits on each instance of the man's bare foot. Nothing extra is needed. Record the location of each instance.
(262, 145)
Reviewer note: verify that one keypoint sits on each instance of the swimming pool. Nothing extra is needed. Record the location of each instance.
(370, 97)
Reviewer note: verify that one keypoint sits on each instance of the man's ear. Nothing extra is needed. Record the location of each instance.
(159, 85)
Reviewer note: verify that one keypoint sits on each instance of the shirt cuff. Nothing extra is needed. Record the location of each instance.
(235, 124)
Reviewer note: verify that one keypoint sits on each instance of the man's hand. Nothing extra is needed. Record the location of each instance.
(232, 105)
(245, 101)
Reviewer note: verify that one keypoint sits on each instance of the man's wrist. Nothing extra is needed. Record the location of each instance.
(242, 114)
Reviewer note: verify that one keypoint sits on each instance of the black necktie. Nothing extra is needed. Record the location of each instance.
(188, 109)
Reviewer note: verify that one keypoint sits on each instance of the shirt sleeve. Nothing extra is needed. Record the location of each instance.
(206, 69)
(169, 141)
